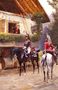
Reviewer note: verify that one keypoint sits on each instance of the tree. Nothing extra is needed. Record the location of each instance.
(54, 31)
(39, 19)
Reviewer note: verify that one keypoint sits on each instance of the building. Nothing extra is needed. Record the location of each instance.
(18, 12)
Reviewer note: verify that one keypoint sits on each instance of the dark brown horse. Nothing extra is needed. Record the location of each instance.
(35, 59)
(20, 57)
(23, 58)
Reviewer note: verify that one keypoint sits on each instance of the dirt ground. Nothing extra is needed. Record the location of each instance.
(10, 80)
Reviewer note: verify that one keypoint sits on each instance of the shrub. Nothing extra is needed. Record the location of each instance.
(34, 37)
(17, 38)
(11, 37)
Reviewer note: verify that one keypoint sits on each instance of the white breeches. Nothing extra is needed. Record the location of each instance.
(29, 49)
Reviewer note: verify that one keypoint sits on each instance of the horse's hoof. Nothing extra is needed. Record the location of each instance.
(24, 73)
(56, 63)
(19, 74)
(33, 71)
(38, 71)
(47, 81)
(51, 78)
(44, 80)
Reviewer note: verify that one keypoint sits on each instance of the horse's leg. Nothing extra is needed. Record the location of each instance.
(51, 71)
(20, 68)
(44, 76)
(44, 73)
(33, 65)
(47, 72)
(24, 63)
(37, 64)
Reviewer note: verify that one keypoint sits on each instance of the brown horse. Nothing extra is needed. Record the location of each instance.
(20, 57)
(23, 58)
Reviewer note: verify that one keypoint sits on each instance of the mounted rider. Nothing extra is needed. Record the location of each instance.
(50, 48)
(27, 45)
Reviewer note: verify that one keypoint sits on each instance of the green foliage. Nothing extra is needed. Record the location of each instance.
(38, 17)
(34, 37)
(11, 37)
(17, 38)
(54, 34)
(54, 31)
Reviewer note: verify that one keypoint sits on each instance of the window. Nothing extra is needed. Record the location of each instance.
(13, 28)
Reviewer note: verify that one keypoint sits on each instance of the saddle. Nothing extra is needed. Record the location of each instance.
(34, 54)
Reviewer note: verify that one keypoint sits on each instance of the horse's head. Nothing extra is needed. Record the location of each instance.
(17, 51)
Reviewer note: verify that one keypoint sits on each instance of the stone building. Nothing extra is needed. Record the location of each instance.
(18, 12)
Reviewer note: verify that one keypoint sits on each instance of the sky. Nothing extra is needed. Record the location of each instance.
(48, 8)
(49, 11)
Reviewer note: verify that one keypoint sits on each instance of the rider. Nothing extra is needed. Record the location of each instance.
(50, 48)
(33, 52)
(27, 44)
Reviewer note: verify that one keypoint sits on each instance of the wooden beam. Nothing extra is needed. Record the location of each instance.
(31, 5)
(28, 7)
(20, 6)
(35, 5)
(2, 6)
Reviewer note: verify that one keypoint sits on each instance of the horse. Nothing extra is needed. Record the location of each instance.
(35, 58)
(32, 57)
(20, 57)
(23, 57)
(47, 64)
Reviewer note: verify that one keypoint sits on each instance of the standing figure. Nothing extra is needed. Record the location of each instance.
(16, 29)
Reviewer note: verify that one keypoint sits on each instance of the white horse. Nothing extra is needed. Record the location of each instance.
(47, 64)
